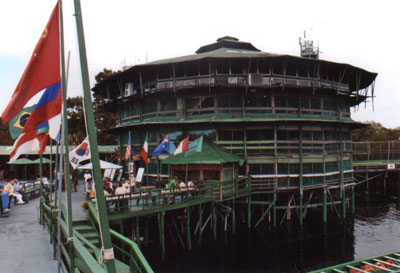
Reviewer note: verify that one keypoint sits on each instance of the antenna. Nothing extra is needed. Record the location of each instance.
(307, 49)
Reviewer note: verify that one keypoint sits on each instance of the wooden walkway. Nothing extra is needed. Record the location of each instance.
(24, 244)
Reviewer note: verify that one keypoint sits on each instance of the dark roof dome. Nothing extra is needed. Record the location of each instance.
(227, 42)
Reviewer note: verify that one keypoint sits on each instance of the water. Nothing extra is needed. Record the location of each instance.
(374, 230)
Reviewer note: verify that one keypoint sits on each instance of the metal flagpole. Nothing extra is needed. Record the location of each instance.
(65, 142)
(51, 171)
(107, 250)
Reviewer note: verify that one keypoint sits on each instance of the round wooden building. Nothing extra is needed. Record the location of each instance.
(288, 117)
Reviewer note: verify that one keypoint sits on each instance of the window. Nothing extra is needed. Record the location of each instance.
(252, 135)
(280, 101)
(167, 104)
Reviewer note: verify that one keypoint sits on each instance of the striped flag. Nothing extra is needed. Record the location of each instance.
(183, 146)
(144, 152)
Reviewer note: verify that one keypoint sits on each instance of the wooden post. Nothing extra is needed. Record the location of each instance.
(325, 212)
(188, 237)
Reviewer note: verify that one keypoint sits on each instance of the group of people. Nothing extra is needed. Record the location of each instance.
(124, 186)
(173, 184)
(12, 190)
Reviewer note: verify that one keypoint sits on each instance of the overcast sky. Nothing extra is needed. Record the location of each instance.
(118, 32)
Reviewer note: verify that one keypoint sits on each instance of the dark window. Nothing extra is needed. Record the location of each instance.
(192, 103)
(267, 134)
(179, 70)
(277, 68)
(238, 135)
(252, 135)
(168, 104)
(305, 102)
(293, 102)
(280, 101)
(204, 67)
(237, 66)
(316, 103)
(225, 135)
(222, 67)
(207, 102)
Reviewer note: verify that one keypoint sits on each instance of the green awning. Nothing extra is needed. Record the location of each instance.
(45, 160)
(22, 161)
(210, 154)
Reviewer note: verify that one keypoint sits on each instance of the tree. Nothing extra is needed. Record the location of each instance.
(5, 138)
(76, 122)
(374, 131)
(105, 74)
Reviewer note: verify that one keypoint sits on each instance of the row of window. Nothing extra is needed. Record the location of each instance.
(294, 168)
(291, 133)
(256, 103)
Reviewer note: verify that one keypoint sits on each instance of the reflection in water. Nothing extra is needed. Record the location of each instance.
(373, 230)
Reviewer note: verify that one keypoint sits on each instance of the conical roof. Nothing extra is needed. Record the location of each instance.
(210, 154)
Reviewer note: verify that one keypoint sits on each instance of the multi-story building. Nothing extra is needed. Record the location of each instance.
(287, 116)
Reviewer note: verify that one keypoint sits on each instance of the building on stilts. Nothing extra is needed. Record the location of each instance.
(287, 117)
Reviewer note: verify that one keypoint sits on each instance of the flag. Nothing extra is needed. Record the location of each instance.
(195, 146)
(144, 152)
(128, 152)
(163, 147)
(43, 69)
(16, 124)
(28, 142)
(47, 110)
(183, 146)
(80, 153)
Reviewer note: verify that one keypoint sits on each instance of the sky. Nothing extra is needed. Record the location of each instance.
(125, 32)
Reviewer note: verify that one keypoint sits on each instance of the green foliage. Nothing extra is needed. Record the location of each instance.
(105, 74)
(5, 138)
(374, 131)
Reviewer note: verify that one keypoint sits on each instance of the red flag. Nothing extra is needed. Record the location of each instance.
(28, 142)
(43, 69)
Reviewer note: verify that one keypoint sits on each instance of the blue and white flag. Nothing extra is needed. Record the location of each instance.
(163, 147)
(80, 153)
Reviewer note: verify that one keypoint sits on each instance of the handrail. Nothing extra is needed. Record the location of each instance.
(139, 261)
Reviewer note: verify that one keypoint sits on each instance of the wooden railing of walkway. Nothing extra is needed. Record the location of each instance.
(86, 247)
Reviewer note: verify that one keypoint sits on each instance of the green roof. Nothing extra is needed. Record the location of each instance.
(103, 149)
(218, 53)
(45, 160)
(22, 161)
(211, 154)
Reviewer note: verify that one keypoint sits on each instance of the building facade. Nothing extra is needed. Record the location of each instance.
(287, 116)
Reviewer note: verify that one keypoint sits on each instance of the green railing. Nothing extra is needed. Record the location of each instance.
(389, 262)
(126, 250)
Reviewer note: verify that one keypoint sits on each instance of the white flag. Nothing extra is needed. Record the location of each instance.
(80, 153)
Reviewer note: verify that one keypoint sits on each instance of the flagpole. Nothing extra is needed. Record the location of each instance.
(65, 143)
(108, 252)
(41, 188)
(51, 170)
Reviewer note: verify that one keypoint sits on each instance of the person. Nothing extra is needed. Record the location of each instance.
(46, 183)
(88, 188)
(182, 185)
(132, 179)
(87, 176)
(173, 184)
(10, 190)
(17, 188)
(190, 183)
(120, 190)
